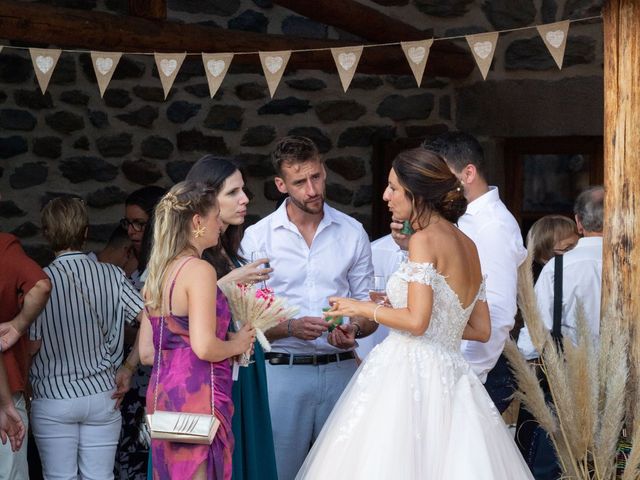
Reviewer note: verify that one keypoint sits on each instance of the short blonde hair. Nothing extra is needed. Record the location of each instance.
(544, 234)
(64, 223)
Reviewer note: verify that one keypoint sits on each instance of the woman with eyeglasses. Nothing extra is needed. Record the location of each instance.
(133, 449)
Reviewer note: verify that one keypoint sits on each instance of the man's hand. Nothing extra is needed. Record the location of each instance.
(11, 426)
(308, 328)
(9, 335)
(400, 238)
(343, 337)
(123, 384)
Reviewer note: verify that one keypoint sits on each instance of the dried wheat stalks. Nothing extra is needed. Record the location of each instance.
(529, 391)
(259, 312)
(615, 366)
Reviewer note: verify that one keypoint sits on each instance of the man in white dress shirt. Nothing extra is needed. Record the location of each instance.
(498, 239)
(581, 275)
(386, 256)
(315, 252)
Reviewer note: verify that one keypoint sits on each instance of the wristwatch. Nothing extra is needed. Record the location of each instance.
(357, 329)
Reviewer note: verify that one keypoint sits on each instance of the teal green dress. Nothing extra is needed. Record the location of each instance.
(253, 455)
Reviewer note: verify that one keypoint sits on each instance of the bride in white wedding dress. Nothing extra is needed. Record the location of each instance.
(415, 409)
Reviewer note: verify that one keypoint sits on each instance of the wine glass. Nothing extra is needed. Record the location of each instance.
(257, 255)
(377, 289)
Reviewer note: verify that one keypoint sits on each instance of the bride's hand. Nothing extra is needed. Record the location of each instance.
(347, 307)
(248, 274)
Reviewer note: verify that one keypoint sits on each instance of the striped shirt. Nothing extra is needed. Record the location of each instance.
(81, 328)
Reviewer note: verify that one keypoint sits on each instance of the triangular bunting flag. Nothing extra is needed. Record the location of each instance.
(104, 64)
(216, 66)
(44, 62)
(168, 66)
(483, 47)
(417, 54)
(273, 65)
(346, 59)
(554, 36)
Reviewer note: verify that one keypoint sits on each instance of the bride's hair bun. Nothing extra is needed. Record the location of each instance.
(430, 184)
(453, 204)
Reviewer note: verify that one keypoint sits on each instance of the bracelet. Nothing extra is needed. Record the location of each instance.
(129, 367)
(375, 312)
(289, 331)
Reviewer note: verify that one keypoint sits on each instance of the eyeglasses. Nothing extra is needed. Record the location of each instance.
(137, 225)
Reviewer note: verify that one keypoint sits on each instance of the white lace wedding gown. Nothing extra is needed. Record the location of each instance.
(414, 409)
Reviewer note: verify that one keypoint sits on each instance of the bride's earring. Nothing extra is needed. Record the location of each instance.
(199, 231)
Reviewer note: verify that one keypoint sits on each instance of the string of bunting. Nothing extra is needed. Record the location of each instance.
(216, 65)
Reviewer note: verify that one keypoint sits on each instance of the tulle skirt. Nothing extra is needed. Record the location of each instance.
(414, 410)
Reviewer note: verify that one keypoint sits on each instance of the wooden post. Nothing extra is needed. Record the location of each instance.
(621, 256)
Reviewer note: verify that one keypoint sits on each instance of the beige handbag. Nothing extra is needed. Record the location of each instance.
(181, 427)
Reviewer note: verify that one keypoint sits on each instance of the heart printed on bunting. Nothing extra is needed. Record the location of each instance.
(346, 59)
(44, 62)
(483, 47)
(273, 65)
(554, 36)
(417, 54)
(168, 67)
(104, 64)
(215, 67)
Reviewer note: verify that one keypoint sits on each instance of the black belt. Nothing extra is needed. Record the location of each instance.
(285, 358)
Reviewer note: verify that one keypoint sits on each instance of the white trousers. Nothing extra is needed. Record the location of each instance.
(77, 437)
(13, 466)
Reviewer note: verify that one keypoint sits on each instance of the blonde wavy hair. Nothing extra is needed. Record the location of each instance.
(172, 232)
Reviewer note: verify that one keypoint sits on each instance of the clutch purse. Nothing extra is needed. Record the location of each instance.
(181, 427)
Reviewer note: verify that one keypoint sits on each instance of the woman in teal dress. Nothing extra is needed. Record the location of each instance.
(253, 455)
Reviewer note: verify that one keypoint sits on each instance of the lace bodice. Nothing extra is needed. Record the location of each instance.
(448, 317)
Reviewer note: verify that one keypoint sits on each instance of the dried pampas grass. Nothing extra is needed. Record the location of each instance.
(259, 308)
(588, 382)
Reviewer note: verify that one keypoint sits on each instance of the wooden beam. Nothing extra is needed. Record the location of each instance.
(151, 9)
(71, 28)
(356, 18)
(621, 254)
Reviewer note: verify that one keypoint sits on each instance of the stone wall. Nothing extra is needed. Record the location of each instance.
(72, 141)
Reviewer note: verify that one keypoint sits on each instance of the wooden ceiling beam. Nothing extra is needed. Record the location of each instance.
(71, 28)
(151, 9)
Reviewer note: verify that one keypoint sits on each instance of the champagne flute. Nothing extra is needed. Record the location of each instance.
(377, 289)
(257, 255)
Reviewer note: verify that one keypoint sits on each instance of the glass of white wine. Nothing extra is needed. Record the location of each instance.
(257, 255)
(377, 289)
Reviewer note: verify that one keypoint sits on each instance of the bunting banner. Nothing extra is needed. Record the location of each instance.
(554, 36)
(168, 67)
(346, 59)
(216, 66)
(44, 62)
(104, 64)
(483, 47)
(273, 65)
(417, 54)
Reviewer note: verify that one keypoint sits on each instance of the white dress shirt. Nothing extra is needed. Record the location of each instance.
(581, 284)
(499, 242)
(386, 256)
(338, 263)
